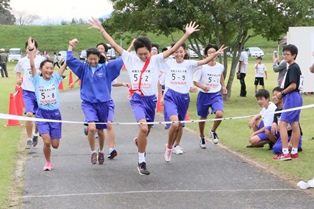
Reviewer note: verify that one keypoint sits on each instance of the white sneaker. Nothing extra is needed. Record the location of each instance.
(214, 137)
(167, 154)
(202, 143)
(177, 150)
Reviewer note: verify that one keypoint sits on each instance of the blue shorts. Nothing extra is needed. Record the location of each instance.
(167, 119)
(30, 101)
(209, 100)
(51, 128)
(291, 100)
(111, 110)
(277, 148)
(176, 103)
(143, 107)
(96, 112)
(263, 136)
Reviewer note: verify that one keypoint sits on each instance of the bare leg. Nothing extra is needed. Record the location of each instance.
(142, 136)
(29, 126)
(91, 135)
(111, 135)
(217, 122)
(47, 144)
(201, 126)
(173, 130)
(179, 135)
(101, 139)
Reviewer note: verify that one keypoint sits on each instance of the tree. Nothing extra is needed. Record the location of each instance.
(6, 18)
(24, 18)
(229, 22)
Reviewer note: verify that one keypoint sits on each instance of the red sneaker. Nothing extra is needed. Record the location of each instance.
(295, 156)
(282, 157)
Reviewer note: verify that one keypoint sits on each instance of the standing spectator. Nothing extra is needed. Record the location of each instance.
(292, 83)
(279, 67)
(56, 60)
(260, 70)
(46, 55)
(3, 63)
(28, 94)
(243, 62)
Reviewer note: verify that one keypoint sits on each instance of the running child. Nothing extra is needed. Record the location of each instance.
(29, 97)
(95, 92)
(210, 80)
(47, 94)
(143, 72)
(178, 80)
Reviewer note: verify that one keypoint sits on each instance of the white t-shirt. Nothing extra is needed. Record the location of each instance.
(268, 114)
(134, 65)
(209, 76)
(259, 70)
(244, 58)
(178, 76)
(23, 65)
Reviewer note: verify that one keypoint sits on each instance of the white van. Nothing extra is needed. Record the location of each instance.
(111, 54)
(15, 54)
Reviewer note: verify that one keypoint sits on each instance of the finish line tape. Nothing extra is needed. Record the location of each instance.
(24, 118)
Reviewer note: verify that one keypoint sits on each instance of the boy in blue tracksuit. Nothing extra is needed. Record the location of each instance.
(95, 92)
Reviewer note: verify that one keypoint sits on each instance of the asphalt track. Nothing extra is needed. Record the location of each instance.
(209, 178)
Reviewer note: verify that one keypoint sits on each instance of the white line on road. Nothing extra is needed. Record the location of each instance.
(155, 191)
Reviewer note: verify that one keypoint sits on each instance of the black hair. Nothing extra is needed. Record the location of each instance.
(164, 49)
(157, 46)
(259, 58)
(92, 51)
(44, 62)
(105, 46)
(186, 56)
(277, 88)
(35, 43)
(262, 93)
(142, 41)
(292, 49)
(210, 46)
(183, 45)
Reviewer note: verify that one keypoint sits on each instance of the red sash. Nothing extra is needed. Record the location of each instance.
(140, 81)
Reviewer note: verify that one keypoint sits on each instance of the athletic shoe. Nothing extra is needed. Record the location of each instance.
(101, 158)
(214, 136)
(29, 143)
(112, 154)
(48, 166)
(35, 141)
(202, 143)
(93, 158)
(295, 156)
(167, 154)
(141, 167)
(177, 150)
(282, 157)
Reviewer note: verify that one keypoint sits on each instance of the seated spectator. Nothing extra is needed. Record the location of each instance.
(277, 146)
(262, 122)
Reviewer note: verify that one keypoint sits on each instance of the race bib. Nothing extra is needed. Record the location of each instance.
(47, 95)
(213, 80)
(178, 77)
(146, 79)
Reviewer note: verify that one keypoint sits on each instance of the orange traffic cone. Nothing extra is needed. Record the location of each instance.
(18, 100)
(61, 86)
(158, 106)
(12, 111)
(70, 78)
(187, 117)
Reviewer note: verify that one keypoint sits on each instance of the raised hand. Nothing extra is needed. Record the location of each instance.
(190, 28)
(221, 50)
(73, 42)
(95, 24)
(30, 44)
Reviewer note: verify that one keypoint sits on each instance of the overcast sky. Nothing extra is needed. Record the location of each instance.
(56, 10)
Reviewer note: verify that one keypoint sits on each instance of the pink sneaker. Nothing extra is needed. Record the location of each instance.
(295, 156)
(48, 166)
(282, 157)
(167, 155)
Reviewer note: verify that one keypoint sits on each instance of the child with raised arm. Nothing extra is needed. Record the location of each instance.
(178, 80)
(47, 94)
(143, 72)
(95, 92)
